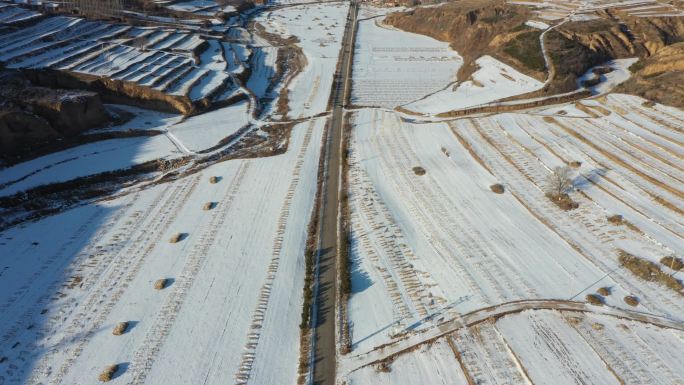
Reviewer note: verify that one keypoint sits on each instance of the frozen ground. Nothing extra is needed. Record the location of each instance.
(414, 230)
(204, 131)
(234, 279)
(84, 160)
(393, 67)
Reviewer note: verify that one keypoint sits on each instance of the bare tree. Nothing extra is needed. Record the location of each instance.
(559, 181)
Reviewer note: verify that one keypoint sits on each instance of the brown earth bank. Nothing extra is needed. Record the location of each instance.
(31, 115)
(476, 28)
(659, 77)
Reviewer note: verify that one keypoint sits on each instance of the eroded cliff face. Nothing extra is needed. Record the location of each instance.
(32, 116)
(497, 29)
(659, 77)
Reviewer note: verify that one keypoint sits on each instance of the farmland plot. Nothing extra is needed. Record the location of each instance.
(319, 30)
(492, 81)
(431, 364)
(85, 160)
(552, 352)
(158, 58)
(414, 232)
(232, 279)
(393, 67)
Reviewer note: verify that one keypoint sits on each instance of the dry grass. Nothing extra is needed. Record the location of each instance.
(176, 238)
(649, 271)
(161, 284)
(672, 262)
(497, 188)
(120, 328)
(597, 326)
(384, 367)
(563, 201)
(108, 373)
(575, 164)
(208, 206)
(419, 171)
(604, 291)
(615, 219)
(631, 300)
(214, 180)
(594, 299)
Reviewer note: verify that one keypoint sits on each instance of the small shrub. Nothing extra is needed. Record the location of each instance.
(649, 104)
(604, 291)
(208, 206)
(384, 367)
(672, 262)
(120, 328)
(563, 201)
(594, 299)
(637, 66)
(615, 219)
(161, 284)
(648, 271)
(597, 326)
(214, 180)
(176, 238)
(575, 164)
(419, 171)
(497, 188)
(108, 373)
(631, 300)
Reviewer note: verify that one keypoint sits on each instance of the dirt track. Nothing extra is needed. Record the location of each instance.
(430, 334)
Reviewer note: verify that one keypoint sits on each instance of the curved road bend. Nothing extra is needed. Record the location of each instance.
(324, 350)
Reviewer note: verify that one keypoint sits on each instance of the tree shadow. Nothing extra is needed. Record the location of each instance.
(584, 181)
(360, 279)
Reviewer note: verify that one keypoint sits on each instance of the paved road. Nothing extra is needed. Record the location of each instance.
(324, 365)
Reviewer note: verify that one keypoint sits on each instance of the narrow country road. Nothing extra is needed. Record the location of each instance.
(324, 345)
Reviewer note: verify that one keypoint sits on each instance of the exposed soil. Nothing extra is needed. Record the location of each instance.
(495, 28)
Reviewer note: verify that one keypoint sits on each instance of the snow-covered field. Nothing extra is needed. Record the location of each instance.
(431, 247)
(319, 30)
(234, 290)
(204, 131)
(85, 160)
(392, 67)
(155, 57)
(492, 81)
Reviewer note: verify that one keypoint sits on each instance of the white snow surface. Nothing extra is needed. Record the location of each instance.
(94, 266)
(393, 67)
(493, 80)
(537, 24)
(610, 80)
(206, 130)
(319, 29)
(85, 160)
